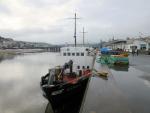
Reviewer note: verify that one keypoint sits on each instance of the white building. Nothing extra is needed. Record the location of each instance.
(116, 44)
(136, 44)
(147, 43)
(129, 44)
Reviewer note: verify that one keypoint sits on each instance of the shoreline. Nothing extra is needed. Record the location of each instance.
(11, 53)
(20, 51)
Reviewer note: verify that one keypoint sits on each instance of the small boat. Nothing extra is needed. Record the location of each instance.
(100, 73)
(114, 57)
(119, 59)
(104, 74)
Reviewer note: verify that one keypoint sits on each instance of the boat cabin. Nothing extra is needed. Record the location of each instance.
(81, 56)
(75, 51)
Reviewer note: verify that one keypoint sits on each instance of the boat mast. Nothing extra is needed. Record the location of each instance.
(75, 34)
(83, 35)
(75, 29)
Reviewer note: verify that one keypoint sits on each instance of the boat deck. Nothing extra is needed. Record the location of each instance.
(74, 79)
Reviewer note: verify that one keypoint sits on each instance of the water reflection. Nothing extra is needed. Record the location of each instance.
(135, 87)
(4, 57)
(146, 79)
(20, 83)
(119, 67)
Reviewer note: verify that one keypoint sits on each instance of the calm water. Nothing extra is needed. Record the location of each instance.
(20, 83)
(127, 90)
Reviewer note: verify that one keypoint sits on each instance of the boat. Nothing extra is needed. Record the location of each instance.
(114, 57)
(119, 59)
(103, 74)
(69, 79)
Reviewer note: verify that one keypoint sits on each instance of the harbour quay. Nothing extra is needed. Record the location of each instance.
(127, 89)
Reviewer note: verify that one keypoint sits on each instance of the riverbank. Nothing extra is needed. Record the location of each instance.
(10, 53)
(20, 51)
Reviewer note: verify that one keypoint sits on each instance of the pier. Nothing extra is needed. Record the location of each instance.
(103, 95)
(125, 91)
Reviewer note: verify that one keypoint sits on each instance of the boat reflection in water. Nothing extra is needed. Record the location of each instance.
(71, 105)
(119, 67)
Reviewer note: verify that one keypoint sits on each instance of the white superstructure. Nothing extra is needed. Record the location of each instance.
(82, 57)
(76, 51)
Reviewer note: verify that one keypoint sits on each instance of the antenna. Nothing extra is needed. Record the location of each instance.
(83, 35)
(75, 28)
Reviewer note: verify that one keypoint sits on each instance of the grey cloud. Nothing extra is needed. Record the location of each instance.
(4, 9)
(44, 3)
(53, 34)
(103, 19)
(124, 17)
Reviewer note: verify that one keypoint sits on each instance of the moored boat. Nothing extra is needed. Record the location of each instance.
(114, 57)
(119, 59)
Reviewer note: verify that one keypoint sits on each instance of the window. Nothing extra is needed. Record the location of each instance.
(67, 49)
(77, 54)
(87, 49)
(73, 54)
(133, 47)
(82, 54)
(68, 54)
(142, 46)
(78, 67)
(64, 54)
(88, 67)
(83, 67)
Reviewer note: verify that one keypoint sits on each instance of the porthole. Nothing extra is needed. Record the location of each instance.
(88, 67)
(68, 54)
(82, 54)
(83, 67)
(64, 54)
(77, 54)
(73, 54)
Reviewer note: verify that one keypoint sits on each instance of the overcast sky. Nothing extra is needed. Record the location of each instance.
(48, 20)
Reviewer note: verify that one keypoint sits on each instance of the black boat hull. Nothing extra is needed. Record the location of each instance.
(58, 94)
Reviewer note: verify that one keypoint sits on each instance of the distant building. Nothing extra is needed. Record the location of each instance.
(115, 44)
(147, 40)
(140, 44)
(129, 44)
(135, 44)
